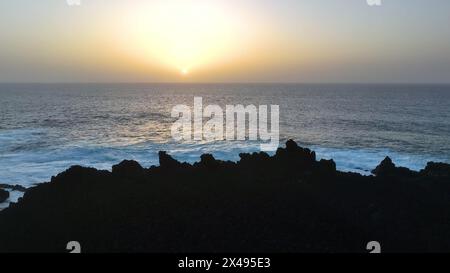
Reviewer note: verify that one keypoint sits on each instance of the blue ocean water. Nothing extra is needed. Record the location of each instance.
(46, 128)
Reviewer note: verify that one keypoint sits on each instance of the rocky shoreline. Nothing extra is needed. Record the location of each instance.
(289, 202)
(13, 187)
(5, 192)
(4, 195)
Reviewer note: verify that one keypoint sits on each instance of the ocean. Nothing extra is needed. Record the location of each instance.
(46, 128)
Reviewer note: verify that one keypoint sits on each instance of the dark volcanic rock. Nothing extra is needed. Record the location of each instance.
(207, 161)
(13, 187)
(437, 170)
(388, 168)
(168, 162)
(4, 195)
(128, 168)
(289, 202)
(327, 165)
(295, 154)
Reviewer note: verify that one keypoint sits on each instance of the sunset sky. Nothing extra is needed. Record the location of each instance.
(323, 41)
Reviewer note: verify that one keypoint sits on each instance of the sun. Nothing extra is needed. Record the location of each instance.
(181, 34)
(184, 72)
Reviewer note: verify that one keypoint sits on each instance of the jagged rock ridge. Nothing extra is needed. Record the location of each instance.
(288, 202)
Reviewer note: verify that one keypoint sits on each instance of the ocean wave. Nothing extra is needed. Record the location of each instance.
(36, 166)
(365, 160)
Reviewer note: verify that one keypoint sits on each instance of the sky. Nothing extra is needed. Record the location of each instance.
(310, 41)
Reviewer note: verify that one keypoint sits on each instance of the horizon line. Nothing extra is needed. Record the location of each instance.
(236, 82)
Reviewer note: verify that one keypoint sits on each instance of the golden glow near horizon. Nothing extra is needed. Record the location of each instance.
(223, 41)
(182, 36)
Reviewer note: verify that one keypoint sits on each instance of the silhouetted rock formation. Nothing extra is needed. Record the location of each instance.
(388, 168)
(436, 170)
(13, 187)
(128, 168)
(4, 195)
(289, 202)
